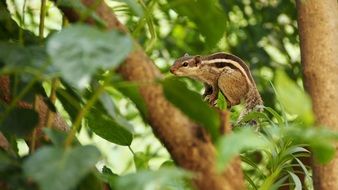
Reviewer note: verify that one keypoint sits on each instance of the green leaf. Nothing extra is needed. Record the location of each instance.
(71, 103)
(320, 140)
(296, 180)
(295, 100)
(57, 137)
(108, 177)
(19, 121)
(108, 104)
(79, 50)
(90, 182)
(168, 163)
(231, 145)
(255, 116)
(110, 108)
(323, 152)
(160, 179)
(141, 160)
(276, 115)
(135, 6)
(192, 105)
(221, 102)
(306, 172)
(207, 16)
(108, 128)
(25, 59)
(131, 90)
(6, 162)
(55, 168)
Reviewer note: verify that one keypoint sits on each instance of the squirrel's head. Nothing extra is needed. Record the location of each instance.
(186, 65)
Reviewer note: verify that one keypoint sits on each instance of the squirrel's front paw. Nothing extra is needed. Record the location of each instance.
(211, 99)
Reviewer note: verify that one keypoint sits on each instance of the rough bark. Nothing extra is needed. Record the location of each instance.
(11, 27)
(188, 143)
(318, 30)
(41, 108)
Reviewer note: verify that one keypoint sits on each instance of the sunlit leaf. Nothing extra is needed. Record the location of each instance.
(192, 105)
(55, 168)
(79, 50)
(141, 161)
(221, 102)
(196, 11)
(320, 140)
(276, 115)
(295, 100)
(111, 109)
(296, 181)
(231, 145)
(132, 91)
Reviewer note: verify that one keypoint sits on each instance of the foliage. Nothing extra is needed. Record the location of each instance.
(79, 62)
(192, 104)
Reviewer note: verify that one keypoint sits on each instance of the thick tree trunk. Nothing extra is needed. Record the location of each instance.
(318, 30)
(188, 143)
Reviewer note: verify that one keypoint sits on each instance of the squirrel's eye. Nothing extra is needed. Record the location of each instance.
(185, 64)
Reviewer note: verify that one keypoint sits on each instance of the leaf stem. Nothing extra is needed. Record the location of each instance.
(82, 113)
(22, 22)
(33, 140)
(42, 19)
(131, 150)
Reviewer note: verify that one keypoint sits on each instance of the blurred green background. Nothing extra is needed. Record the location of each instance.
(261, 32)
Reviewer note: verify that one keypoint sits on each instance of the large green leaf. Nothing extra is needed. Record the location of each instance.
(295, 100)
(132, 91)
(320, 140)
(192, 105)
(231, 145)
(110, 108)
(55, 168)
(79, 50)
(25, 59)
(19, 121)
(108, 128)
(207, 16)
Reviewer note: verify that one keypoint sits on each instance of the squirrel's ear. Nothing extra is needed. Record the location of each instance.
(198, 60)
(186, 55)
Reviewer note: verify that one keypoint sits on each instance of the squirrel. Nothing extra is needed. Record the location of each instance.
(221, 72)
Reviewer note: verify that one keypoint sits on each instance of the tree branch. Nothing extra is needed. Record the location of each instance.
(41, 108)
(188, 143)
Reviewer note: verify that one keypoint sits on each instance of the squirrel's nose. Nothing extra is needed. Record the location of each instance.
(172, 70)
